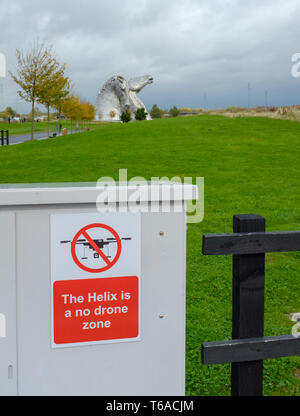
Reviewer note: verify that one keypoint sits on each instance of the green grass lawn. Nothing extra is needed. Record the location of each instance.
(250, 165)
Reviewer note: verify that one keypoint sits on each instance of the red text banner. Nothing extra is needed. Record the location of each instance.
(95, 310)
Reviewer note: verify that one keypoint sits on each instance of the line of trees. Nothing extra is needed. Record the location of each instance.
(42, 79)
(156, 112)
(75, 109)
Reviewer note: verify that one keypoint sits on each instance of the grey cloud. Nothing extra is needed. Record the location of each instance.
(189, 46)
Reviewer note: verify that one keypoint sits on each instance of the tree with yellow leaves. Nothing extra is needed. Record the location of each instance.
(88, 111)
(55, 88)
(76, 110)
(71, 108)
(33, 69)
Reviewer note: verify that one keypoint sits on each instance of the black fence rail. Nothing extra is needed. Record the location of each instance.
(4, 137)
(249, 347)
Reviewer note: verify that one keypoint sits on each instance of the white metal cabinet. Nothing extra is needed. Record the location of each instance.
(28, 365)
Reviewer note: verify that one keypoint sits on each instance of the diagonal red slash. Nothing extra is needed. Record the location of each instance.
(83, 232)
(96, 248)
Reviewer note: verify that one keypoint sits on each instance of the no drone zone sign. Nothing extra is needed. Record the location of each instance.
(95, 278)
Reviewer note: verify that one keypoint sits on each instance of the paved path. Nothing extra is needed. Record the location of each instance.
(21, 138)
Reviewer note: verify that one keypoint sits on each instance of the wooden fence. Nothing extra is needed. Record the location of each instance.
(248, 245)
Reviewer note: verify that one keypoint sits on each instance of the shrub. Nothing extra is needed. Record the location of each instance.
(174, 111)
(126, 116)
(140, 114)
(261, 109)
(155, 112)
(235, 109)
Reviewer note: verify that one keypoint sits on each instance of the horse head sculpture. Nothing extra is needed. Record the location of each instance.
(113, 99)
(117, 95)
(138, 83)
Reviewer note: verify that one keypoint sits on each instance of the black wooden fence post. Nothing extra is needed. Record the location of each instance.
(248, 245)
(248, 307)
(4, 136)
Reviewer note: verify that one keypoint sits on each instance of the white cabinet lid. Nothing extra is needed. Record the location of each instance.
(88, 192)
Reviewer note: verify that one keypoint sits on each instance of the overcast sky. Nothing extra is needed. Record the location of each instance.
(192, 48)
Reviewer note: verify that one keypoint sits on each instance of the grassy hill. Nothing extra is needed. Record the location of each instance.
(250, 165)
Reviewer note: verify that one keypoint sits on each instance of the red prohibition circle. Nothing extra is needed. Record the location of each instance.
(109, 263)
